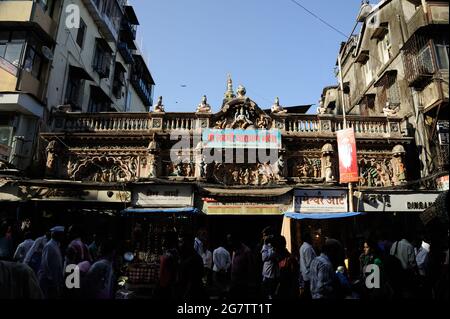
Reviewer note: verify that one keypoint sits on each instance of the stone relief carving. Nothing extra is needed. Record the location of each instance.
(245, 174)
(242, 113)
(380, 171)
(104, 168)
(308, 168)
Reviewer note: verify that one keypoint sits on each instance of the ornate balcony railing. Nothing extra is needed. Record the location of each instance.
(291, 124)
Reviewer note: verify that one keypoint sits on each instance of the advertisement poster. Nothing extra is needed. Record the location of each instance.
(348, 164)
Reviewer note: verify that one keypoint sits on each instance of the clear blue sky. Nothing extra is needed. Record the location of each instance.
(272, 47)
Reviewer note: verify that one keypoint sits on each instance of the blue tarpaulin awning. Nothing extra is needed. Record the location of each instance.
(295, 215)
(143, 211)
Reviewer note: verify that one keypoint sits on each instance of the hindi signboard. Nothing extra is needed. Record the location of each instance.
(163, 196)
(320, 201)
(348, 164)
(231, 138)
(403, 202)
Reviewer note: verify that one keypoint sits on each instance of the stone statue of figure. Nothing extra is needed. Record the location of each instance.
(245, 177)
(241, 117)
(398, 167)
(327, 163)
(52, 155)
(152, 171)
(159, 107)
(281, 165)
(277, 108)
(241, 91)
(204, 107)
(321, 109)
(153, 146)
(203, 167)
(390, 111)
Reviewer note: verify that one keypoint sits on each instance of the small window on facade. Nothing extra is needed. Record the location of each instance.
(426, 60)
(442, 51)
(81, 33)
(33, 62)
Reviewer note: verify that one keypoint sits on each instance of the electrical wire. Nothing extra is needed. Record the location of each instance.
(320, 19)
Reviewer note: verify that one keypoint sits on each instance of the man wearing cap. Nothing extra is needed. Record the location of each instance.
(50, 275)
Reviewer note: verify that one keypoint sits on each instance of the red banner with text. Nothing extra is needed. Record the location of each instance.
(348, 164)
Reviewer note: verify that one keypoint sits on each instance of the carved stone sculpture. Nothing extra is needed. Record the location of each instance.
(328, 171)
(241, 91)
(277, 108)
(398, 166)
(204, 107)
(159, 107)
(321, 109)
(52, 157)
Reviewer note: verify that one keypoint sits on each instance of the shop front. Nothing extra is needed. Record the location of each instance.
(244, 212)
(324, 214)
(94, 206)
(392, 213)
(156, 209)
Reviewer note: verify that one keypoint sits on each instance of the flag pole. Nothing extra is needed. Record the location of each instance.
(341, 84)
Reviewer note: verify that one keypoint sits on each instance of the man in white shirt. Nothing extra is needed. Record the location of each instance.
(404, 251)
(422, 258)
(23, 248)
(222, 263)
(307, 254)
(50, 273)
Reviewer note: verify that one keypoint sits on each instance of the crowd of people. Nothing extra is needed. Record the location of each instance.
(191, 270)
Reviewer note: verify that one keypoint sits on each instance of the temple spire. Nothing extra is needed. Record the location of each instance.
(229, 94)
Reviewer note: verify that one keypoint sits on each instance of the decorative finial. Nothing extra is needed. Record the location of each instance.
(241, 91)
(229, 94)
(159, 107)
(204, 107)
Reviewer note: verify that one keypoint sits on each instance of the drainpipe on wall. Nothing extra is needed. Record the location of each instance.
(419, 133)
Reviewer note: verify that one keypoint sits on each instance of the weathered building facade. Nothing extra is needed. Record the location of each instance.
(397, 66)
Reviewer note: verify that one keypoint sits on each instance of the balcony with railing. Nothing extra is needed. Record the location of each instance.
(27, 12)
(143, 89)
(108, 23)
(436, 13)
(126, 52)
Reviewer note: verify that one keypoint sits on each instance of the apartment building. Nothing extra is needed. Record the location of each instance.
(75, 55)
(27, 38)
(397, 67)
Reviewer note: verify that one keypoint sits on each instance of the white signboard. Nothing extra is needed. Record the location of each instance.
(320, 201)
(163, 196)
(388, 202)
(65, 194)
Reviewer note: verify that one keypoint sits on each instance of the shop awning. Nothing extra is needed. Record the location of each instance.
(262, 192)
(320, 215)
(144, 211)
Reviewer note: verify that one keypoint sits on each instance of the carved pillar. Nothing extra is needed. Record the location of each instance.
(153, 159)
(327, 164)
(398, 165)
